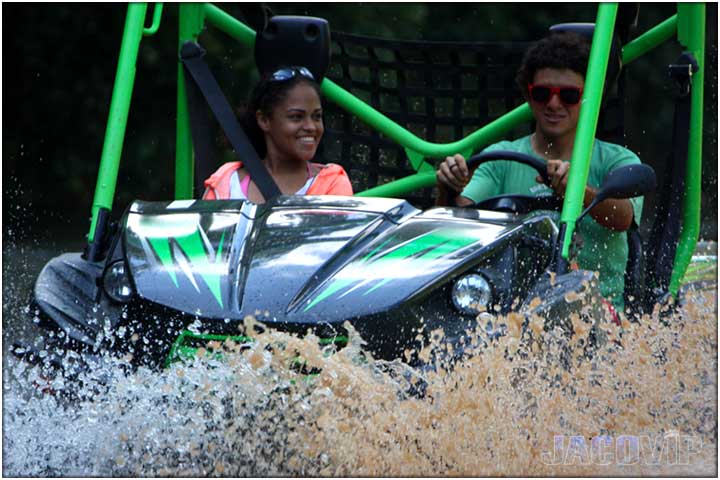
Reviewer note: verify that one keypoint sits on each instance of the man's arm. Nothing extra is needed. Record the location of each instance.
(445, 195)
(615, 214)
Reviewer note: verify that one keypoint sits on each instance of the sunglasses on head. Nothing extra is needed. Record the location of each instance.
(543, 94)
(285, 74)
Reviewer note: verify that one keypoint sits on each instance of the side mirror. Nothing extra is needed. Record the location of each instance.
(624, 182)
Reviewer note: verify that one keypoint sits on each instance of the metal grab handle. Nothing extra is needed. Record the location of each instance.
(157, 13)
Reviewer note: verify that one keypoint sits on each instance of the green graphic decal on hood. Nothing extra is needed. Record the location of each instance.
(162, 249)
(394, 258)
(200, 261)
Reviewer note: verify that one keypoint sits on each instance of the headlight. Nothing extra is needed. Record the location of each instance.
(471, 294)
(116, 283)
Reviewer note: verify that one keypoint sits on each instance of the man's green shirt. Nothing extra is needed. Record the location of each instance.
(603, 250)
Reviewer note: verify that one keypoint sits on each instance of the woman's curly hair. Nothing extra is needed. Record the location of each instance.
(564, 50)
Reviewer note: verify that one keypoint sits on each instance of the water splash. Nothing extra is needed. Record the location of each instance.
(497, 411)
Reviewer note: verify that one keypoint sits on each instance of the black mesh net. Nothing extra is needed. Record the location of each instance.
(439, 91)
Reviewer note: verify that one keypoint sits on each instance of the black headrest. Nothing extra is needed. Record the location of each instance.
(292, 40)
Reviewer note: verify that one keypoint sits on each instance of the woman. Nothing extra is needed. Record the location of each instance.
(284, 122)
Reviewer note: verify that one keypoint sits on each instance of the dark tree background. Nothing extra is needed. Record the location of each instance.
(59, 65)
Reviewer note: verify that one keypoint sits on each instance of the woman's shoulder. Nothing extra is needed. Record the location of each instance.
(331, 179)
(218, 184)
(225, 169)
(223, 173)
(328, 169)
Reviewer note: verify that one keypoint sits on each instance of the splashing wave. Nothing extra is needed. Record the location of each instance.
(502, 409)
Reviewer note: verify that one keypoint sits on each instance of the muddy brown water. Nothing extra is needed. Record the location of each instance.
(645, 404)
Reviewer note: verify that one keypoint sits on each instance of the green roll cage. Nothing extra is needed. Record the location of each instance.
(688, 25)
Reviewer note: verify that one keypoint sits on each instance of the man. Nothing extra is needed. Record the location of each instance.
(552, 77)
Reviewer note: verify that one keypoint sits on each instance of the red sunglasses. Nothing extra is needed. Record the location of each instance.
(543, 94)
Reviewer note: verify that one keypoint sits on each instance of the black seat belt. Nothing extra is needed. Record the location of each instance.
(191, 56)
(201, 135)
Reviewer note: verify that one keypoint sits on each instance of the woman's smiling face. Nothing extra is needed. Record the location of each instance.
(295, 126)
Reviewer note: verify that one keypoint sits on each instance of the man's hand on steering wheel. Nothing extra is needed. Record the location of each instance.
(453, 173)
(559, 172)
(453, 176)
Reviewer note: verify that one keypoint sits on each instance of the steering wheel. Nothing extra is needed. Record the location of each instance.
(515, 203)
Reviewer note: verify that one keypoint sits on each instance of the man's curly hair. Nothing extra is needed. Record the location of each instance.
(564, 50)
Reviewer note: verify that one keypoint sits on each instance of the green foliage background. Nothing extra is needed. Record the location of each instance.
(59, 65)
